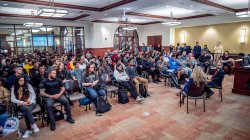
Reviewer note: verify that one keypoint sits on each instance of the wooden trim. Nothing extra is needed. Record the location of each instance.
(47, 3)
(154, 22)
(213, 4)
(147, 15)
(196, 16)
(70, 6)
(105, 21)
(79, 17)
(117, 4)
(42, 17)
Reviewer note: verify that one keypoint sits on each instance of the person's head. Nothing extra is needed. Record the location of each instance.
(159, 45)
(60, 66)
(226, 53)
(19, 70)
(20, 81)
(7, 62)
(178, 56)
(90, 67)
(198, 75)
(36, 64)
(173, 56)
(197, 43)
(130, 62)
(41, 69)
(218, 43)
(219, 65)
(30, 62)
(119, 67)
(205, 46)
(52, 73)
(190, 55)
(178, 44)
(93, 59)
(104, 63)
(77, 64)
(184, 44)
(184, 53)
(14, 56)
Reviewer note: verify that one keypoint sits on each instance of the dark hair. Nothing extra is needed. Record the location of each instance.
(17, 86)
(51, 69)
(87, 68)
(173, 55)
(118, 65)
(129, 60)
(41, 65)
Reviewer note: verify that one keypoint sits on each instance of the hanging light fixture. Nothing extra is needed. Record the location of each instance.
(52, 11)
(129, 27)
(44, 29)
(243, 14)
(172, 22)
(33, 24)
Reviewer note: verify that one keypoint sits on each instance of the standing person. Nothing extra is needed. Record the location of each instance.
(144, 48)
(186, 48)
(53, 90)
(179, 49)
(132, 73)
(24, 96)
(197, 50)
(218, 50)
(205, 49)
(158, 48)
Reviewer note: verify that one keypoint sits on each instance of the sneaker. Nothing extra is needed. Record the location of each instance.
(35, 128)
(70, 120)
(139, 99)
(26, 134)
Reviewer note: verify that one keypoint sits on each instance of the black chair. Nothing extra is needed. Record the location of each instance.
(166, 76)
(195, 93)
(219, 88)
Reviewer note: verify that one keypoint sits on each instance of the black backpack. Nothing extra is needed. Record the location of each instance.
(58, 114)
(102, 105)
(123, 96)
(142, 91)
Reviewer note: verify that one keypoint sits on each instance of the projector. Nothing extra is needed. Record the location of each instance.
(123, 19)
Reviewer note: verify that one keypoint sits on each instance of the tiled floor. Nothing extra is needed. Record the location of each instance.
(160, 117)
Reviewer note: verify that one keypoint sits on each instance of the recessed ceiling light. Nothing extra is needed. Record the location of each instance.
(90, 18)
(127, 8)
(105, 14)
(5, 4)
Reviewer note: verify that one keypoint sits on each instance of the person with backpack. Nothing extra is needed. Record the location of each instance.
(122, 77)
(91, 81)
(24, 96)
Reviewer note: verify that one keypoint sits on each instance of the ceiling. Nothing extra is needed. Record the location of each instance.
(139, 11)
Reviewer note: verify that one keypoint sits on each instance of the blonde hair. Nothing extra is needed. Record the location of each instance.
(198, 75)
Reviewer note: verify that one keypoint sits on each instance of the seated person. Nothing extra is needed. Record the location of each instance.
(204, 61)
(197, 77)
(175, 67)
(41, 75)
(216, 79)
(149, 66)
(53, 90)
(92, 83)
(77, 74)
(227, 61)
(191, 62)
(4, 92)
(18, 72)
(24, 96)
(162, 66)
(29, 66)
(132, 73)
(62, 73)
(105, 71)
(122, 77)
(181, 61)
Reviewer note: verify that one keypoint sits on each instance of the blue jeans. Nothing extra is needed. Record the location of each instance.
(3, 119)
(92, 93)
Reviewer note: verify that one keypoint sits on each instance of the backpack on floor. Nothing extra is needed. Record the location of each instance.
(143, 91)
(58, 114)
(85, 101)
(102, 105)
(123, 96)
(11, 125)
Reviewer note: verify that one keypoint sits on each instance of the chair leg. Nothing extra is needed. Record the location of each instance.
(220, 90)
(89, 106)
(180, 99)
(165, 81)
(204, 104)
(195, 102)
(111, 94)
(86, 109)
(187, 104)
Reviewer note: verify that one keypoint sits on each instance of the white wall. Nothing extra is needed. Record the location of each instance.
(152, 30)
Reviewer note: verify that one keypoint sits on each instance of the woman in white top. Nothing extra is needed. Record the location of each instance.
(218, 50)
